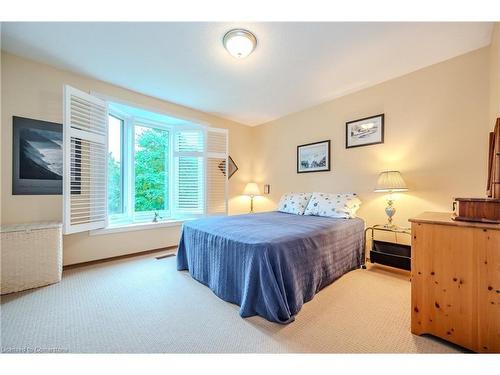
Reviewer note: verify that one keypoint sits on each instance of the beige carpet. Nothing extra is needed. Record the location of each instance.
(144, 305)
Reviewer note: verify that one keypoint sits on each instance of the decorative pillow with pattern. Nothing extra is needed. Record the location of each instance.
(342, 206)
(294, 203)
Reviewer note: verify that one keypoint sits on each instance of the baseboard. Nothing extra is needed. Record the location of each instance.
(110, 259)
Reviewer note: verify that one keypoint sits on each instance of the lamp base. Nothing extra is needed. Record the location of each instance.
(390, 210)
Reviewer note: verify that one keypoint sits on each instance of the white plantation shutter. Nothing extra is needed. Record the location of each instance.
(200, 162)
(216, 146)
(85, 161)
(189, 196)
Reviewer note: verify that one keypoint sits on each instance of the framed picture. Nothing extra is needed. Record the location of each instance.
(313, 157)
(365, 131)
(37, 158)
(232, 167)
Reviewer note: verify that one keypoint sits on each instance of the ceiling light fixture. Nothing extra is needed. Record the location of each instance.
(239, 42)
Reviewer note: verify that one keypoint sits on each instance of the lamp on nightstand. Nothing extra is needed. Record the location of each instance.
(252, 190)
(390, 182)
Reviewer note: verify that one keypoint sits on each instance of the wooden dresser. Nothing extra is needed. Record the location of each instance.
(455, 283)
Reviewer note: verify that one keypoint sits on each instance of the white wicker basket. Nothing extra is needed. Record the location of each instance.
(31, 256)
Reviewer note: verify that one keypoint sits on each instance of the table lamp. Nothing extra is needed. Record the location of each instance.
(252, 190)
(390, 182)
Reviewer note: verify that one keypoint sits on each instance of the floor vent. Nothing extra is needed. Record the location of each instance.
(165, 256)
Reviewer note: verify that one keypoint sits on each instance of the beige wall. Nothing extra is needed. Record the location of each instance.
(34, 90)
(436, 121)
(435, 134)
(495, 76)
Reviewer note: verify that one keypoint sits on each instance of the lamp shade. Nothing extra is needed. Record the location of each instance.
(251, 189)
(390, 181)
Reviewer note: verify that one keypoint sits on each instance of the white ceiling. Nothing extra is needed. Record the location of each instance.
(295, 65)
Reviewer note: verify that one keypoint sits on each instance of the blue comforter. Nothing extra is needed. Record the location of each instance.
(270, 263)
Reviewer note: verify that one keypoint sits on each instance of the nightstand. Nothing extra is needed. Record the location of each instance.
(391, 254)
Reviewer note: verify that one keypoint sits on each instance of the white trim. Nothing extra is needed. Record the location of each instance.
(172, 174)
(128, 146)
(146, 123)
(66, 160)
(139, 226)
(68, 132)
(75, 228)
(131, 122)
(123, 159)
(106, 141)
(195, 154)
(216, 155)
(227, 171)
(205, 174)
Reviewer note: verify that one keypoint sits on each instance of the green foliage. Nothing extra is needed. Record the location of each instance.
(150, 170)
(114, 186)
(151, 163)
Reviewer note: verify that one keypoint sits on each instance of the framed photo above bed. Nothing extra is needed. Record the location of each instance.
(313, 157)
(365, 131)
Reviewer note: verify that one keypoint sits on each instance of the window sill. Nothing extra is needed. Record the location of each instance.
(138, 226)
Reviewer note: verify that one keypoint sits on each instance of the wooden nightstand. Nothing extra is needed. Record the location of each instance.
(390, 253)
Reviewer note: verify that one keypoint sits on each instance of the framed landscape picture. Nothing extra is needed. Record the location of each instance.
(365, 131)
(313, 157)
(37, 158)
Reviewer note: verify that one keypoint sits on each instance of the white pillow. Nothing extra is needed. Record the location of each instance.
(343, 206)
(294, 203)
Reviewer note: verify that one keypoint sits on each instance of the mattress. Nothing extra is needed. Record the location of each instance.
(270, 263)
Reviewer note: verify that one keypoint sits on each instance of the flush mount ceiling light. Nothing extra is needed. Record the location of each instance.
(239, 43)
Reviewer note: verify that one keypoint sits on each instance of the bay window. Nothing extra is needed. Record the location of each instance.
(163, 176)
(156, 168)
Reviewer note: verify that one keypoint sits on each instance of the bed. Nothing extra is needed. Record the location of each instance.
(270, 263)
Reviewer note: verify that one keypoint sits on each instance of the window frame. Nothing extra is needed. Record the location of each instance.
(122, 162)
(123, 217)
(129, 216)
(182, 121)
